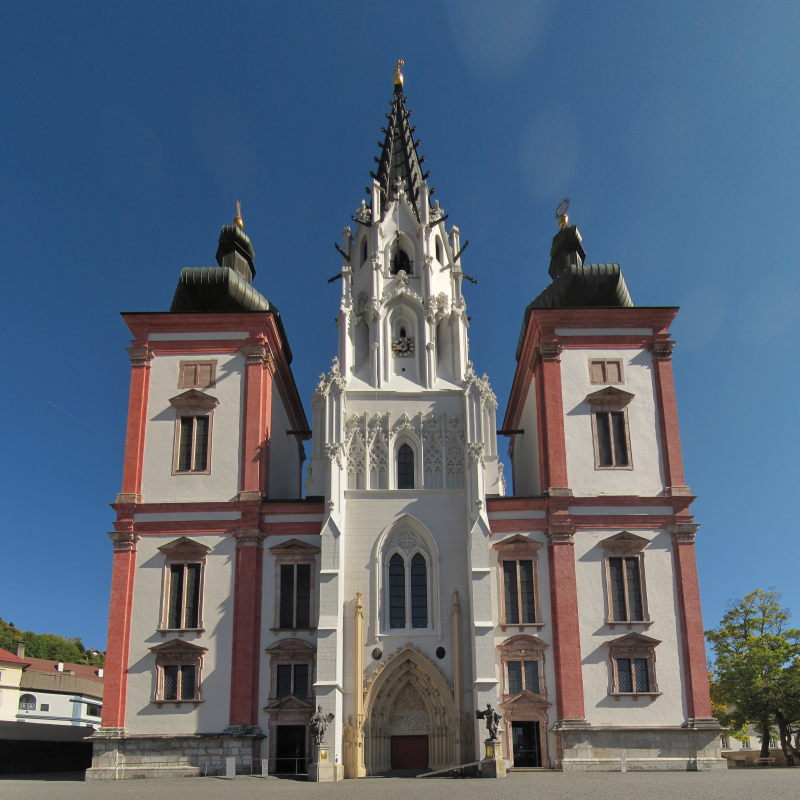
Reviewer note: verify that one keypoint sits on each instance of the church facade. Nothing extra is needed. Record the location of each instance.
(403, 588)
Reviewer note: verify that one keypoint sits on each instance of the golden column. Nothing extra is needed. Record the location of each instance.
(354, 730)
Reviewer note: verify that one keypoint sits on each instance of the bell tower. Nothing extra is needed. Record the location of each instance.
(404, 455)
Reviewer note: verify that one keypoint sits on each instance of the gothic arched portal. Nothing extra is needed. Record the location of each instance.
(409, 696)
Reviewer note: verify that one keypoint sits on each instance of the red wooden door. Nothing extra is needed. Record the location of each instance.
(410, 752)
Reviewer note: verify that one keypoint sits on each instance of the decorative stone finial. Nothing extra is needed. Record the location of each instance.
(561, 213)
(237, 220)
(398, 75)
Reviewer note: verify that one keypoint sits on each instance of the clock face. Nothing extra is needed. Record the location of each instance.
(402, 346)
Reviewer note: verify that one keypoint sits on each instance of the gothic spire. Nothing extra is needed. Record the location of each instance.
(399, 165)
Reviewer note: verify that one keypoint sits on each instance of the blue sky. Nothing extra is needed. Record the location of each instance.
(130, 130)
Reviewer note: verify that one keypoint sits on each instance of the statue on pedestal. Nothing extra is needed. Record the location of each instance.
(492, 720)
(319, 724)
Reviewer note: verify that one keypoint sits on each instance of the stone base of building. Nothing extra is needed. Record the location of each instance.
(120, 756)
(611, 749)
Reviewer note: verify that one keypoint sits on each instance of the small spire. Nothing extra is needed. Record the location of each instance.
(561, 213)
(237, 220)
(398, 75)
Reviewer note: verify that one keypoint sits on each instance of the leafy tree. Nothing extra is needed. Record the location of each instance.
(757, 670)
(48, 645)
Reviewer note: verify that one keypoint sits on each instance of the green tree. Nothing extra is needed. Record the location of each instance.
(48, 645)
(757, 670)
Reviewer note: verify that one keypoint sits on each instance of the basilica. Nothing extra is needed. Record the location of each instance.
(396, 579)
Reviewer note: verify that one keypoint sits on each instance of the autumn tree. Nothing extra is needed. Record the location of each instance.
(757, 670)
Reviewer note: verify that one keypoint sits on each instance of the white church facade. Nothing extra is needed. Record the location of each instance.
(403, 587)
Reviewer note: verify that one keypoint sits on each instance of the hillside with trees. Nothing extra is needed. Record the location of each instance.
(48, 645)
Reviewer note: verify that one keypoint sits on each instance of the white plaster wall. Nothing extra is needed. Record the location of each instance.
(527, 481)
(284, 457)
(9, 691)
(62, 709)
(659, 580)
(211, 715)
(647, 477)
(159, 485)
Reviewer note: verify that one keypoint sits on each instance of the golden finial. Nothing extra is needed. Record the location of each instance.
(398, 75)
(561, 213)
(237, 220)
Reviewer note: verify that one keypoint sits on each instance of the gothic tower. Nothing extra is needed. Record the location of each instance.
(404, 454)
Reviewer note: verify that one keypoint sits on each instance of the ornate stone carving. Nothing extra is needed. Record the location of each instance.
(333, 378)
(363, 212)
(550, 351)
(475, 452)
(561, 533)
(333, 451)
(123, 540)
(662, 349)
(248, 537)
(140, 356)
(684, 532)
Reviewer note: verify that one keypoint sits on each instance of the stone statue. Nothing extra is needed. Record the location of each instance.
(492, 720)
(319, 724)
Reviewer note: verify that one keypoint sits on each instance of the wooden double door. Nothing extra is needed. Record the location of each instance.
(409, 752)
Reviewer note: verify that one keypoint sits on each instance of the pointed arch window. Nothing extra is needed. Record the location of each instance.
(405, 467)
(408, 591)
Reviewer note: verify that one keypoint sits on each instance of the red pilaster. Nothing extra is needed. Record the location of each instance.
(256, 422)
(566, 631)
(246, 627)
(119, 628)
(698, 700)
(668, 420)
(137, 420)
(553, 448)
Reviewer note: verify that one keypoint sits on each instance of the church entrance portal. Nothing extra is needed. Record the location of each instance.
(410, 752)
(526, 744)
(290, 749)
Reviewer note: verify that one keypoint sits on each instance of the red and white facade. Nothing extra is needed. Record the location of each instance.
(405, 592)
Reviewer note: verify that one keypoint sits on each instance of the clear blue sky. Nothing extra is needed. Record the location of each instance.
(130, 129)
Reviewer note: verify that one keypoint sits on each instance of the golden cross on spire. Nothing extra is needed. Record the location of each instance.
(237, 220)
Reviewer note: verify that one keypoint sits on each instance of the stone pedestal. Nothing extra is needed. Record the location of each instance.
(322, 769)
(493, 765)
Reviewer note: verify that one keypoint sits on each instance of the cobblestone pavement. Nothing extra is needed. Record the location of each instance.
(763, 782)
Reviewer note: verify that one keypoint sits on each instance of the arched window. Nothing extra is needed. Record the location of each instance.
(405, 467)
(400, 260)
(27, 702)
(408, 592)
(397, 591)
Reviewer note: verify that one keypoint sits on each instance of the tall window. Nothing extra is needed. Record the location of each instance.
(295, 568)
(520, 606)
(180, 682)
(291, 671)
(192, 451)
(405, 467)
(517, 559)
(295, 593)
(624, 574)
(612, 447)
(626, 588)
(612, 439)
(184, 563)
(193, 447)
(184, 596)
(523, 675)
(408, 591)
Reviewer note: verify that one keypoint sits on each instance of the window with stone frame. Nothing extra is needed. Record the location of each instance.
(517, 559)
(291, 670)
(632, 662)
(193, 424)
(408, 591)
(610, 431)
(197, 374)
(605, 370)
(626, 597)
(182, 592)
(295, 566)
(522, 660)
(178, 668)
